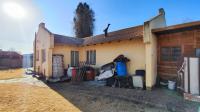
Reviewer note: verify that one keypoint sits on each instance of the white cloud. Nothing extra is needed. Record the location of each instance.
(18, 33)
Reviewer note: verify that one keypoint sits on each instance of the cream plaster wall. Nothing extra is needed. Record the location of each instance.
(150, 41)
(65, 50)
(105, 53)
(44, 40)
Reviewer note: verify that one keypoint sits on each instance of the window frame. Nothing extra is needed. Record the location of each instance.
(91, 57)
(74, 58)
(176, 54)
(196, 53)
(170, 56)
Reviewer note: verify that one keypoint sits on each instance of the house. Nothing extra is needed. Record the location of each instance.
(27, 60)
(10, 59)
(153, 46)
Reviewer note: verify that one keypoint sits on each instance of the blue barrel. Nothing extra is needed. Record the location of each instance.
(121, 68)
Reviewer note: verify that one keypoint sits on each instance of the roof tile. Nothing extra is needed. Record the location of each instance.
(124, 34)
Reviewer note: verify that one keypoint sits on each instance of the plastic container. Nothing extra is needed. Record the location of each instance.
(171, 85)
(74, 70)
(69, 71)
(138, 81)
(121, 68)
(90, 75)
(140, 72)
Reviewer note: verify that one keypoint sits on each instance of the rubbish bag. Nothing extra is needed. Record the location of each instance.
(121, 58)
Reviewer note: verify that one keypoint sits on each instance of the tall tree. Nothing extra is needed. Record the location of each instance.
(83, 21)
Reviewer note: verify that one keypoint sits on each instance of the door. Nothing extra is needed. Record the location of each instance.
(57, 66)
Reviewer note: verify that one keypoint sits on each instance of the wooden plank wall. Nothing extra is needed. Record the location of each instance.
(188, 40)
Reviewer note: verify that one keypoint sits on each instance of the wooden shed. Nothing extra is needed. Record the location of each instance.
(174, 43)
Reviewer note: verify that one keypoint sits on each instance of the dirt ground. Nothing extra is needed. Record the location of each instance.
(27, 94)
(90, 101)
(91, 98)
(21, 97)
(11, 73)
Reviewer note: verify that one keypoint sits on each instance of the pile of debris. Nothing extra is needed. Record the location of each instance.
(115, 73)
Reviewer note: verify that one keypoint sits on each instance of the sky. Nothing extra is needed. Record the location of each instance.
(18, 26)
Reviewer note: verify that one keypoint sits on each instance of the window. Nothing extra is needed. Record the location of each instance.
(43, 56)
(197, 52)
(91, 57)
(37, 55)
(176, 53)
(170, 53)
(165, 54)
(74, 58)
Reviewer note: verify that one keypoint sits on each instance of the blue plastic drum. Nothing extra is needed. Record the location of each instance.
(121, 68)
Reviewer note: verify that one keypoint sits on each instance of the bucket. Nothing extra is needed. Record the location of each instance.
(171, 85)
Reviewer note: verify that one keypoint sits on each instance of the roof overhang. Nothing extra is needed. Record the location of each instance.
(179, 27)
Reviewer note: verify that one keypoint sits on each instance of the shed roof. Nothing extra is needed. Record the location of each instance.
(177, 27)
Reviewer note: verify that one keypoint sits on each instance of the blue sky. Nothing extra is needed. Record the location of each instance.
(58, 16)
